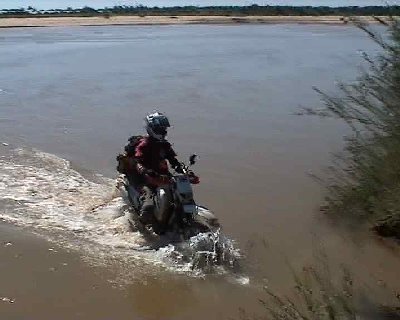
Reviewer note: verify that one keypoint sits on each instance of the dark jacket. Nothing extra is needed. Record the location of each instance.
(151, 154)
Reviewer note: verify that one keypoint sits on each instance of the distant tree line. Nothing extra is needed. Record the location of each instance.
(252, 10)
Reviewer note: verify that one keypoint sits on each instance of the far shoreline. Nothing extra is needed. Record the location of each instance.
(176, 20)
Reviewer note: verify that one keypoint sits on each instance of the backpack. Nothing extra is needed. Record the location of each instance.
(125, 163)
(130, 148)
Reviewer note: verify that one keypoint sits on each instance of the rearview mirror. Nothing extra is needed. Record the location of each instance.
(192, 159)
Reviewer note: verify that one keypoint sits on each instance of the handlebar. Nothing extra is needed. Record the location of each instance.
(160, 180)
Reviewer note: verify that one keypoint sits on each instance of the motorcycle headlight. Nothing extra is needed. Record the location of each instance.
(189, 208)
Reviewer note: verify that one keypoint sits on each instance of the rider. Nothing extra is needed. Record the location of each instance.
(149, 155)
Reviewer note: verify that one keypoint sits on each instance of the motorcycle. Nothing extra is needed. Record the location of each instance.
(175, 208)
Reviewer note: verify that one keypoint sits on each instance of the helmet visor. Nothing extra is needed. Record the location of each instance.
(160, 130)
(161, 122)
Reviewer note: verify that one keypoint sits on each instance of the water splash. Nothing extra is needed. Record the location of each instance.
(43, 192)
(209, 252)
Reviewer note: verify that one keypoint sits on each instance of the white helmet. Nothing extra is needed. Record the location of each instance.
(156, 125)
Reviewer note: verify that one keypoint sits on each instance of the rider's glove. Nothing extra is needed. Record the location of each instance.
(193, 178)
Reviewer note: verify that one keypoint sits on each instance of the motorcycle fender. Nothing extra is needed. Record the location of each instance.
(206, 217)
(162, 203)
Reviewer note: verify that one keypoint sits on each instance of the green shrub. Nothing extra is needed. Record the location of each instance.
(365, 180)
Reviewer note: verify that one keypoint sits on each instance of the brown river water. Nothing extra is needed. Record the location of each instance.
(70, 98)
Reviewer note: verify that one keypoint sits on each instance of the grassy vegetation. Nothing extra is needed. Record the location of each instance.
(317, 296)
(365, 179)
(364, 185)
(206, 11)
(326, 290)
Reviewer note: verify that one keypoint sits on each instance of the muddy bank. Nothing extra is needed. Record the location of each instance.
(169, 20)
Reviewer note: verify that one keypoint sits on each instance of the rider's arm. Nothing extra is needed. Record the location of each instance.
(173, 161)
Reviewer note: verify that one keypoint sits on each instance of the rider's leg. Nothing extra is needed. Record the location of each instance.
(147, 210)
(135, 179)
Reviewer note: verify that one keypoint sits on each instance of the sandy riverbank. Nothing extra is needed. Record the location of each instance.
(166, 20)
